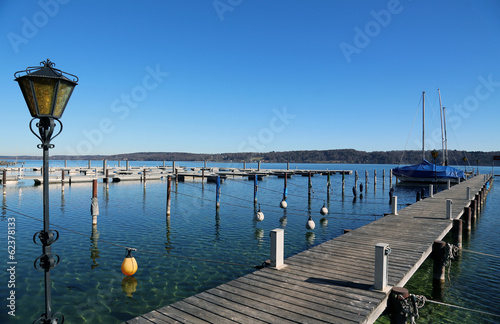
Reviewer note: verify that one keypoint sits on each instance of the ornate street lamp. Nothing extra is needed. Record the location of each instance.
(46, 91)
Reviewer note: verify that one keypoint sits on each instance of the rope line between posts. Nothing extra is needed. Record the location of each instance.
(294, 211)
(486, 254)
(138, 250)
(263, 204)
(461, 307)
(413, 303)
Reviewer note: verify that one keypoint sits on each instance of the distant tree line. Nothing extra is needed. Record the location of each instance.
(312, 156)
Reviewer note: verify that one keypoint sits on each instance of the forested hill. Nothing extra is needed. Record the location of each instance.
(324, 156)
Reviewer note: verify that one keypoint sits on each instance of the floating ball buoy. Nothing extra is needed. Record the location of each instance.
(259, 216)
(129, 285)
(283, 204)
(129, 264)
(310, 225)
(323, 211)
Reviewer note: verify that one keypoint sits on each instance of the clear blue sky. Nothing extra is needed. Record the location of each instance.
(254, 75)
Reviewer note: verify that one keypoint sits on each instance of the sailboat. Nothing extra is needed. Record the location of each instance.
(427, 172)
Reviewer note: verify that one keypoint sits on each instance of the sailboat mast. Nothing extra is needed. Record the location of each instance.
(423, 125)
(442, 125)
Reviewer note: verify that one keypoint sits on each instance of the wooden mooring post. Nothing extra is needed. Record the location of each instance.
(438, 276)
(4, 181)
(217, 194)
(390, 178)
(309, 186)
(255, 188)
(394, 308)
(457, 233)
(62, 180)
(343, 183)
(94, 207)
(467, 219)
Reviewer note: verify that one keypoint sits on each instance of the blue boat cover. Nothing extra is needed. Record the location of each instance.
(428, 170)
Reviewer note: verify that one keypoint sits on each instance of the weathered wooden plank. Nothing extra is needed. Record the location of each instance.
(180, 315)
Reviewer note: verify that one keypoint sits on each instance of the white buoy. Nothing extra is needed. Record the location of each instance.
(259, 216)
(323, 211)
(283, 204)
(310, 225)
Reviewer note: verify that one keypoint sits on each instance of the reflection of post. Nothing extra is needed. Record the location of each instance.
(169, 189)
(94, 250)
(168, 244)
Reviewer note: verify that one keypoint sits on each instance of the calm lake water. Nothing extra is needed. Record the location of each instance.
(198, 247)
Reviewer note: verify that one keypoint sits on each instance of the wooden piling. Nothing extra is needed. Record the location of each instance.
(328, 186)
(169, 189)
(375, 178)
(94, 207)
(355, 179)
(217, 194)
(309, 186)
(438, 255)
(62, 180)
(107, 178)
(457, 233)
(394, 308)
(284, 187)
(390, 178)
(343, 183)
(4, 181)
(466, 216)
(473, 210)
(255, 188)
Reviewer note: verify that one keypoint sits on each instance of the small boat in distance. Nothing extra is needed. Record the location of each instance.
(427, 172)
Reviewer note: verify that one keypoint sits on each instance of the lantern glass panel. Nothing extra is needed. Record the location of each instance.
(63, 94)
(24, 84)
(44, 92)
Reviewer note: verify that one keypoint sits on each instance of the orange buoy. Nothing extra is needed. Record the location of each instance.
(129, 264)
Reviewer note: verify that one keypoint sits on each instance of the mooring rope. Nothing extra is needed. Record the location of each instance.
(490, 255)
(138, 250)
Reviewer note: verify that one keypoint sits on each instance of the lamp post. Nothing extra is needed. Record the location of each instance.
(435, 154)
(46, 91)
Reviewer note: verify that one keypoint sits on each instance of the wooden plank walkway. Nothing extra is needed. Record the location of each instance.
(329, 283)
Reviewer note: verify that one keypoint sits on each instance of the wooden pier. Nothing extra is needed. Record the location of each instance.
(117, 174)
(332, 282)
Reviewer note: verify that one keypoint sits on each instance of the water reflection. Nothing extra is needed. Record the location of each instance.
(168, 233)
(94, 250)
(129, 285)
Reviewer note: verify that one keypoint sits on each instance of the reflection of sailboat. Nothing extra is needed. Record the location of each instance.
(426, 171)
